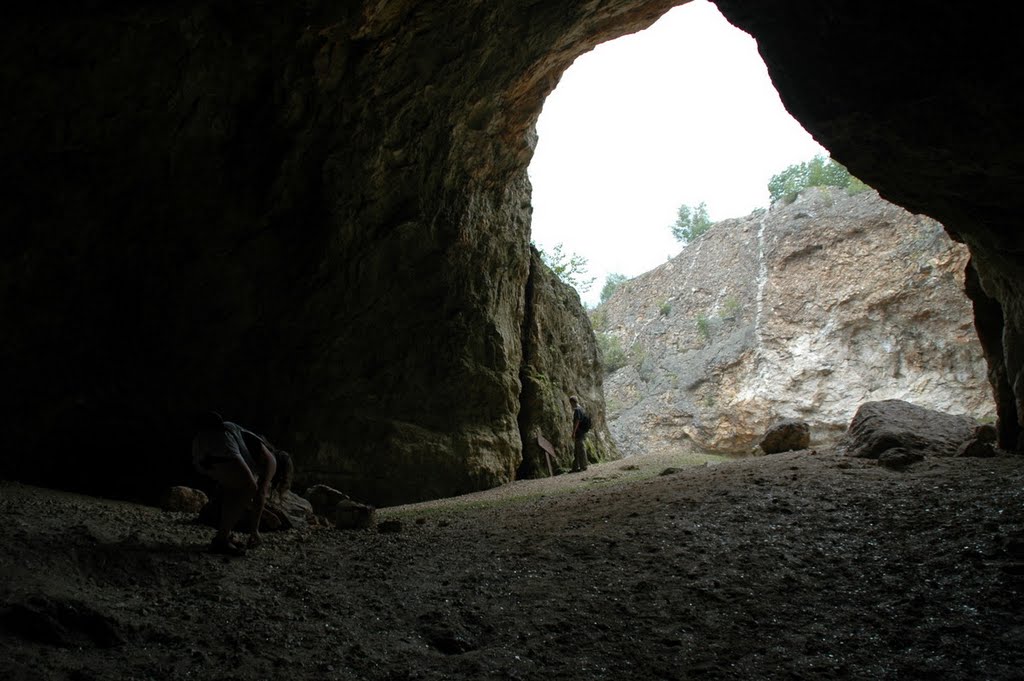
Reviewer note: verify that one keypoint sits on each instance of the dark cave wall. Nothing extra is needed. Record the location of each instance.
(314, 216)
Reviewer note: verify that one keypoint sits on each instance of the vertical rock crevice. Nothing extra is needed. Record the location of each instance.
(989, 323)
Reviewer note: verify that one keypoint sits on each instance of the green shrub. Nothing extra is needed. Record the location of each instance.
(637, 356)
(731, 308)
(856, 186)
(704, 326)
(611, 284)
(570, 268)
(691, 223)
(613, 357)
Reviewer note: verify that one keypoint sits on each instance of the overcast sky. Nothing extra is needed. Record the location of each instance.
(681, 113)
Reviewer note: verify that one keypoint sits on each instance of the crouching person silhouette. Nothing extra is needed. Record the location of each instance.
(246, 467)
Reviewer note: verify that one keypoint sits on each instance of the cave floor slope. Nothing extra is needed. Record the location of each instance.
(804, 565)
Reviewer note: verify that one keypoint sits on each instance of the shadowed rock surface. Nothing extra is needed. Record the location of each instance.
(312, 217)
(559, 354)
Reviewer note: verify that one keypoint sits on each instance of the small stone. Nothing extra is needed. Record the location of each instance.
(183, 500)
(351, 515)
(899, 458)
(986, 432)
(976, 448)
(324, 499)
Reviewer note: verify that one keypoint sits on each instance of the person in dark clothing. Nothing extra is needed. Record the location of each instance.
(580, 427)
(246, 467)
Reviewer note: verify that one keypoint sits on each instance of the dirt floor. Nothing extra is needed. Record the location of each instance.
(795, 566)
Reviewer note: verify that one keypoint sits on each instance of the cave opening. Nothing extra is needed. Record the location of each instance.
(682, 112)
(627, 138)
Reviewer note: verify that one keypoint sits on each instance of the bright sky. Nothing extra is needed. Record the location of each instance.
(681, 113)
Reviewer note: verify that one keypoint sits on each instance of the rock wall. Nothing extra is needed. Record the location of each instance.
(804, 311)
(559, 359)
(314, 216)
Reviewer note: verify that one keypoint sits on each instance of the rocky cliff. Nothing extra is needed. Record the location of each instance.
(803, 311)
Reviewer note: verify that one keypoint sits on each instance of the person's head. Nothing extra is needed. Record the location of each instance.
(574, 401)
(282, 481)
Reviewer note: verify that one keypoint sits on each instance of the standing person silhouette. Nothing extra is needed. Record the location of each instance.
(580, 428)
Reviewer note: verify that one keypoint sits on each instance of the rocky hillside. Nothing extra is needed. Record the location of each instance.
(803, 311)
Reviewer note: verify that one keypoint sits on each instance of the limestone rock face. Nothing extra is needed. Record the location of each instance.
(314, 217)
(801, 312)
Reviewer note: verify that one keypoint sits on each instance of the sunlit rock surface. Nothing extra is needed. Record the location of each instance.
(916, 100)
(804, 311)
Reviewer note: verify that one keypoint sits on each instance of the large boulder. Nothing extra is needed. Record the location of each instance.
(324, 499)
(878, 427)
(786, 435)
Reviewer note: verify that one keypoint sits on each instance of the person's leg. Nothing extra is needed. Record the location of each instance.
(239, 487)
(581, 454)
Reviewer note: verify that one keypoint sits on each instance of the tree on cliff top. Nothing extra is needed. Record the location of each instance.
(570, 268)
(691, 222)
(818, 172)
(611, 284)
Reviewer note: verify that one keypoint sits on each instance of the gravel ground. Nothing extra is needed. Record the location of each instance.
(803, 565)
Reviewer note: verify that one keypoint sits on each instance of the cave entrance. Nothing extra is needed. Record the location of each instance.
(625, 140)
(681, 113)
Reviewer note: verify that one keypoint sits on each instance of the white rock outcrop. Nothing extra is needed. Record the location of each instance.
(803, 311)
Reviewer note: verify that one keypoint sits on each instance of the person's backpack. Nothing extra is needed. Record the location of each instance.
(585, 423)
